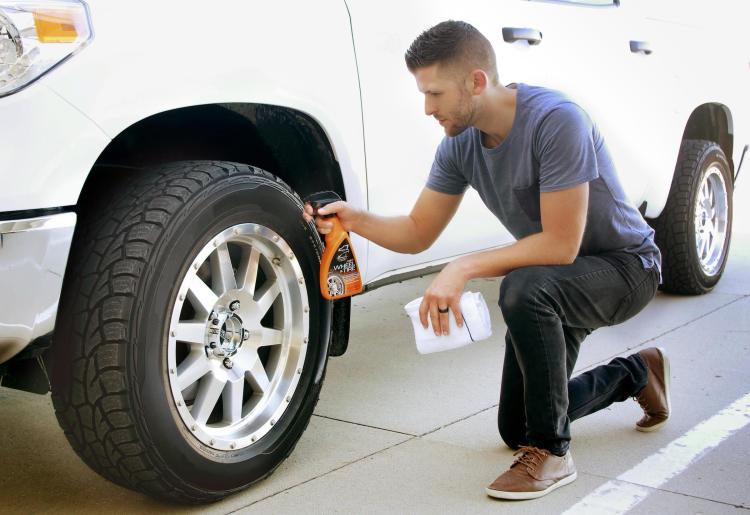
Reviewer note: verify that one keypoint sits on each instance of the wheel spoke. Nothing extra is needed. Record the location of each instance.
(222, 273)
(244, 358)
(270, 337)
(247, 274)
(192, 368)
(191, 332)
(257, 377)
(208, 395)
(232, 398)
(267, 297)
(201, 296)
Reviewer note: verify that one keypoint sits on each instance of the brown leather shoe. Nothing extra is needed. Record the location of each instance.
(654, 397)
(536, 472)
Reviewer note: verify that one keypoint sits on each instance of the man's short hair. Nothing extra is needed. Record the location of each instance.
(452, 43)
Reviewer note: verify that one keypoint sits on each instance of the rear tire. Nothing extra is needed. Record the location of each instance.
(694, 230)
(150, 393)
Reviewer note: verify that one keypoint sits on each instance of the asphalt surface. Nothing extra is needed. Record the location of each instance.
(400, 432)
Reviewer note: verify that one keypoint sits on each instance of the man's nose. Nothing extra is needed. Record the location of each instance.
(429, 107)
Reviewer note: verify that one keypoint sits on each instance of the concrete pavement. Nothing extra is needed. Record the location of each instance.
(398, 432)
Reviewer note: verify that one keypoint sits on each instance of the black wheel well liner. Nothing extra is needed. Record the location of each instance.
(284, 141)
(713, 122)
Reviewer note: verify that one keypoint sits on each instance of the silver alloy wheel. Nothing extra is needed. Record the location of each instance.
(237, 337)
(711, 215)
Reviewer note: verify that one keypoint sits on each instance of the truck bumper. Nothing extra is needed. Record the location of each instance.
(33, 255)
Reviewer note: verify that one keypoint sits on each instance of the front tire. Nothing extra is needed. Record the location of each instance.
(192, 340)
(694, 230)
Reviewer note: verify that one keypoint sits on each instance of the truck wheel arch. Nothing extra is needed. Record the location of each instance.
(284, 141)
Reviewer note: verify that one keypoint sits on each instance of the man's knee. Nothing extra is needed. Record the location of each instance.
(519, 291)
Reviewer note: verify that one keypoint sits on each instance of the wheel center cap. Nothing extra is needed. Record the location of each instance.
(224, 334)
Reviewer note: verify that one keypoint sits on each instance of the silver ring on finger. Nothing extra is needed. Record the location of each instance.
(442, 310)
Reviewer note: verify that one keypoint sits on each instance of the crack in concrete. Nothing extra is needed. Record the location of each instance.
(459, 420)
(364, 425)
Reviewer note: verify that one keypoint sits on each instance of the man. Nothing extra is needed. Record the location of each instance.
(584, 257)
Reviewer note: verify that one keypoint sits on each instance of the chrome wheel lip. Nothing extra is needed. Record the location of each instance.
(290, 356)
(711, 219)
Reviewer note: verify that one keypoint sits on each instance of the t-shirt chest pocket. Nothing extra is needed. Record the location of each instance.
(528, 198)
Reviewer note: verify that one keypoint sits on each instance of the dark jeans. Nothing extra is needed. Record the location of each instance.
(549, 311)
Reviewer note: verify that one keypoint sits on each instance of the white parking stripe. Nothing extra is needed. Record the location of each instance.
(631, 487)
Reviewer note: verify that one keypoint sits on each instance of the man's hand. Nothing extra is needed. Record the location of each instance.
(347, 216)
(443, 297)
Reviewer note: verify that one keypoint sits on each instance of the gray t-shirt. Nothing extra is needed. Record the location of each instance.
(553, 145)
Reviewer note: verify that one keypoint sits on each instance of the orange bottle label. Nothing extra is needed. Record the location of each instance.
(339, 271)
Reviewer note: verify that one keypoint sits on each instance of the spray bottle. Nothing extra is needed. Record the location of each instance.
(339, 271)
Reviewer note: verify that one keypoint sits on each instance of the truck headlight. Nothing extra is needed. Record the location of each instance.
(36, 36)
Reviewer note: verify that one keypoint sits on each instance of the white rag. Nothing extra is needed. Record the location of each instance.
(477, 325)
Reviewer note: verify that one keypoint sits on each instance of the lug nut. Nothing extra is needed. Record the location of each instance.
(276, 261)
(215, 321)
(235, 305)
(228, 363)
(245, 335)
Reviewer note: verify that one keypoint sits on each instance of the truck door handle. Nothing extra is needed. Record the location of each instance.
(513, 34)
(640, 47)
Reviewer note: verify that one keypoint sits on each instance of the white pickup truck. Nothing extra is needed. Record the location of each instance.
(155, 271)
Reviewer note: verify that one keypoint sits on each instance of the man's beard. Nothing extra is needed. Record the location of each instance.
(461, 120)
(455, 130)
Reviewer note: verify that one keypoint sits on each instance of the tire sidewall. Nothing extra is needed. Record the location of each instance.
(230, 201)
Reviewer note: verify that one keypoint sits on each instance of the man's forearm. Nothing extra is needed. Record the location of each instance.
(537, 249)
(396, 233)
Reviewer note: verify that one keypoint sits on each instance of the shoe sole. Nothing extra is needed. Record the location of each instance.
(519, 496)
(661, 424)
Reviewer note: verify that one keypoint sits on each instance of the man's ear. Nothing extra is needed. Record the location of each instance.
(479, 81)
